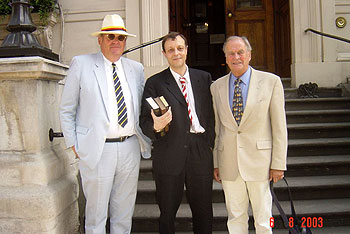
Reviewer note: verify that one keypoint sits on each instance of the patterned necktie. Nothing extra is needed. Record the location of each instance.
(184, 92)
(122, 112)
(237, 106)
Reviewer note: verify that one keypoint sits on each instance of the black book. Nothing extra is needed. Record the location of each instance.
(159, 106)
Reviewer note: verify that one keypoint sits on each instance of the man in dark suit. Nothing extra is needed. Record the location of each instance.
(183, 155)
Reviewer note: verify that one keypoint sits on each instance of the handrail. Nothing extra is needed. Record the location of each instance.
(143, 45)
(327, 35)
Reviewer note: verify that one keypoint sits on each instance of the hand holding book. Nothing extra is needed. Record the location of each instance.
(161, 114)
(161, 123)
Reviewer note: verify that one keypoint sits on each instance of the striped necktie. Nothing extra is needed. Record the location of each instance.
(122, 111)
(237, 106)
(184, 92)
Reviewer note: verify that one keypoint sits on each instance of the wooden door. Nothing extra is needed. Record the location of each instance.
(282, 38)
(254, 20)
(203, 24)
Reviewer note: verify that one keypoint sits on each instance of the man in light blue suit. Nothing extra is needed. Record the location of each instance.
(99, 115)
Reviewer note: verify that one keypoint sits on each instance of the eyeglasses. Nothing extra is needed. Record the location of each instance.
(111, 37)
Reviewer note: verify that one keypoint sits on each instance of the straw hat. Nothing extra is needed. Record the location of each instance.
(113, 24)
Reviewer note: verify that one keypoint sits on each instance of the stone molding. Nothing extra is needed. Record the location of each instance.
(31, 68)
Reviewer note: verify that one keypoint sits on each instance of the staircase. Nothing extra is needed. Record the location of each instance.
(318, 170)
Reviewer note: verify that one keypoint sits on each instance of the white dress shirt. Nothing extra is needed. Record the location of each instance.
(115, 130)
(195, 127)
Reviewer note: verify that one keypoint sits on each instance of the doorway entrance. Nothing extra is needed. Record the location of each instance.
(206, 24)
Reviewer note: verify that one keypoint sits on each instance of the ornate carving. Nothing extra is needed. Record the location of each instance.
(308, 90)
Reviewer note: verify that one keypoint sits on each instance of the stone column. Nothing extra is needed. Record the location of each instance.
(38, 186)
(155, 24)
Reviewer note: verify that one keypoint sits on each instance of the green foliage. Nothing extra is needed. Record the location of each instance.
(42, 7)
(5, 9)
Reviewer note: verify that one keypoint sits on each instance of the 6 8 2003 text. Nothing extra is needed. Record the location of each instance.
(310, 222)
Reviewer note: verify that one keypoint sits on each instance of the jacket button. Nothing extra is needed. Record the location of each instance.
(239, 132)
(185, 146)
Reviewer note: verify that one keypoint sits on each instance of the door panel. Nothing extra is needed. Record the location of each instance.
(254, 20)
(282, 37)
(254, 32)
(203, 24)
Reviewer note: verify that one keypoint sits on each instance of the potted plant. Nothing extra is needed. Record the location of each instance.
(42, 7)
(42, 17)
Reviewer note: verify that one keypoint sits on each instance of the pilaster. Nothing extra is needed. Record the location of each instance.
(315, 58)
(155, 24)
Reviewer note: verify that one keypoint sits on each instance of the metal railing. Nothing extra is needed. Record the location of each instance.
(143, 45)
(327, 35)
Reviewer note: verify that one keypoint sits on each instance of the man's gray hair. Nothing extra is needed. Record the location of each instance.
(232, 38)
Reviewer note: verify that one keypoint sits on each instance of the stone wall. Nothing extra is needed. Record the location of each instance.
(38, 185)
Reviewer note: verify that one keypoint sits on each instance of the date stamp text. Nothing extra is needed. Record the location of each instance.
(309, 222)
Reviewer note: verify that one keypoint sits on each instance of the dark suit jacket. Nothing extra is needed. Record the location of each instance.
(169, 152)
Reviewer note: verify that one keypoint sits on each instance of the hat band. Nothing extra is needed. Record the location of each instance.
(113, 29)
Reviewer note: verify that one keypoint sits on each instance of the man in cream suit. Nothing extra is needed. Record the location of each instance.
(99, 115)
(251, 142)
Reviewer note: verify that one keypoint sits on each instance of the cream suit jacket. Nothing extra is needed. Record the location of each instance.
(259, 143)
(84, 109)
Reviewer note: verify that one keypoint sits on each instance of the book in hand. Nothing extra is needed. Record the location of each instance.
(159, 106)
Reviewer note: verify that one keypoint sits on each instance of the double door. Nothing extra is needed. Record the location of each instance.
(206, 24)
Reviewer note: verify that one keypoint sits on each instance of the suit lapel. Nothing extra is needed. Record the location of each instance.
(173, 87)
(131, 82)
(253, 94)
(224, 98)
(196, 89)
(100, 75)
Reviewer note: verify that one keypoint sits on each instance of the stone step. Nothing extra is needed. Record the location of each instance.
(324, 230)
(318, 146)
(318, 116)
(145, 172)
(286, 82)
(297, 166)
(321, 93)
(332, 103)
(318, 165)
(318, 130)
(333, 212)
(302, 188)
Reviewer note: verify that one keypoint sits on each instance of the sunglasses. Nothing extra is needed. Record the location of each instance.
(111, 37)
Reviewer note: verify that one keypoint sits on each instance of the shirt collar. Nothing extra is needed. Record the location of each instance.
(109, 63)
(245, 77)
(177, 76)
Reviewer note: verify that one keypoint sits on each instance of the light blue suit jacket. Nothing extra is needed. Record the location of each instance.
(84, 112)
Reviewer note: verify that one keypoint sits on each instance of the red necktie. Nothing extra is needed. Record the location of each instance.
(184, 92)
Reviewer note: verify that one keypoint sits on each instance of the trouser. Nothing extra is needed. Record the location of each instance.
(238, 193)
(112, 184)
(169, 191)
